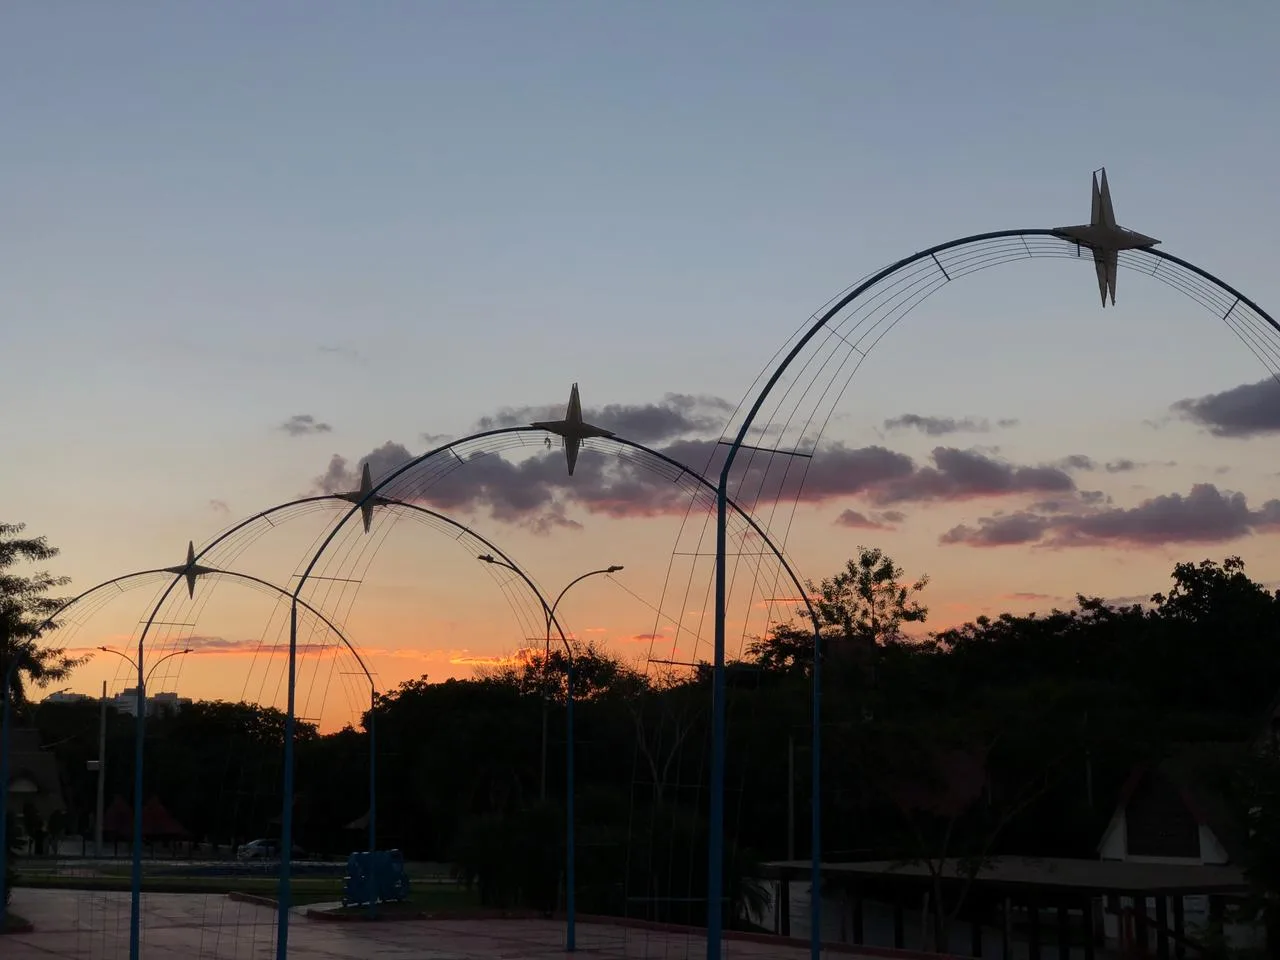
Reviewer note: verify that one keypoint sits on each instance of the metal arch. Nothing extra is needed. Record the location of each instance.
(319, 614)
(135, 898)
(802, 590)
(715, 844)
(286, 824)
(683, 468)
(51, 621)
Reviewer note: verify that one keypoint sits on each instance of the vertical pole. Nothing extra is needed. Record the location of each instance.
(4, 785)
(791, 797)
(286, 812)
(546, 700)
(135, 886)
(102, 772)
(569, 873)
(373, 801)
(542, 781)
(815, 851)
(715, 818)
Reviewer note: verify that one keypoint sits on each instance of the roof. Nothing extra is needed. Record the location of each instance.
(157, 822)
(1201, 773)
(1045, 873)
(27, 761)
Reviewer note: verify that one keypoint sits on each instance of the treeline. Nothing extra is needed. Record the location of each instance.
(1007, 735)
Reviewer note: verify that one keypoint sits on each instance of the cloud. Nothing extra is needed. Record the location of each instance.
(220, 506)
(536, 492)
(677, 415)
(302, 424)
(1249, 410)
(1205, 515)
(966, 474)
(349, 353)
(855, 520)
(1029, 595)
(939, 426)
(210, 646)
(1076, 461)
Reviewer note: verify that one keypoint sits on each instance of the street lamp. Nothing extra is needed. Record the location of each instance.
(549, 611)
(140, 702)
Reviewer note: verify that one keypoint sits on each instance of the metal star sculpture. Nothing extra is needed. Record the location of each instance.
(190, 569)
(361, 496)
(572, 429)
(1105, 237)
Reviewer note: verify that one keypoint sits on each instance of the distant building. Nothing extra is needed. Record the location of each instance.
(157, 703)
(1176, 813)
(62, 696)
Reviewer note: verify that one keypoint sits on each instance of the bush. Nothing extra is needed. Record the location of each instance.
(514, 859)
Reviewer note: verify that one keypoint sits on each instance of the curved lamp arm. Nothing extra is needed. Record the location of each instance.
(548, 610)
(134, 663)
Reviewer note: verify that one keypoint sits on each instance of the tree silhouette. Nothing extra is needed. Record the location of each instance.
(25, 608)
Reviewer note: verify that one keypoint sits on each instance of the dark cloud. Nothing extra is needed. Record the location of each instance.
(1076, 461)
(348, 353)
(862, 521)
(1249, 410)
(965, 474)
(209, 645)
(678, 415)
(536, 491)
(1205, 515)
(220, 506)
(1002, 530)
(939, 426)
(302, 424)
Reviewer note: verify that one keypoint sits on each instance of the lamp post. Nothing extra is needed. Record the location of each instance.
(16, 658)
(140, 701)
(549, 611)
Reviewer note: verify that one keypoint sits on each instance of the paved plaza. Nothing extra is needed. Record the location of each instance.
(95, 926)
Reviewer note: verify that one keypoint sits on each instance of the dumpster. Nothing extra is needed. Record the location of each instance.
(373, 877)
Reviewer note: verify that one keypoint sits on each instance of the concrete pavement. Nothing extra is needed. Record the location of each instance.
(95, 926)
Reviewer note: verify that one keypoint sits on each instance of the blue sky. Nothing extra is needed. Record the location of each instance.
(401, 217)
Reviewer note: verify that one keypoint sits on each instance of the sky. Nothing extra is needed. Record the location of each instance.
(247, 246)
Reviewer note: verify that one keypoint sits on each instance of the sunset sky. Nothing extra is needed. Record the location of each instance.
(247, 246)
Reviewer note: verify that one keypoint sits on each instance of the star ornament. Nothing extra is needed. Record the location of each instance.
(1105, 237)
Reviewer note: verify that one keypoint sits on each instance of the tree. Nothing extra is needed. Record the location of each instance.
(861, 607)
(25, 608)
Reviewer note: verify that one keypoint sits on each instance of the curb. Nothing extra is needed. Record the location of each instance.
(252, 898)
(11, 927)
(768, 939)
(330, 916)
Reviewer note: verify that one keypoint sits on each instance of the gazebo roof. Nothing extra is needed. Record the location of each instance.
(1058, 874)
(157, 822)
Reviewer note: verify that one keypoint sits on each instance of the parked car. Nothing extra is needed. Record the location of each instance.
(263, 850)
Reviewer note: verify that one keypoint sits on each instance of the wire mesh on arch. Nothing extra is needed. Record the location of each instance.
(786, 439)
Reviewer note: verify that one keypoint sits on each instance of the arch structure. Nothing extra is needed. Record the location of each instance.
(414, 479)
(811, 371)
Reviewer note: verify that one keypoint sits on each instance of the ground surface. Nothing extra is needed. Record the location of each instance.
(95, 926)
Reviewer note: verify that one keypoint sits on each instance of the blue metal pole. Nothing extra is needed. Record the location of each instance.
(286, 813)
(569, 873)
(815, 852)
(4, 788)
(373, 801)
(715, 825)
(135, 886)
